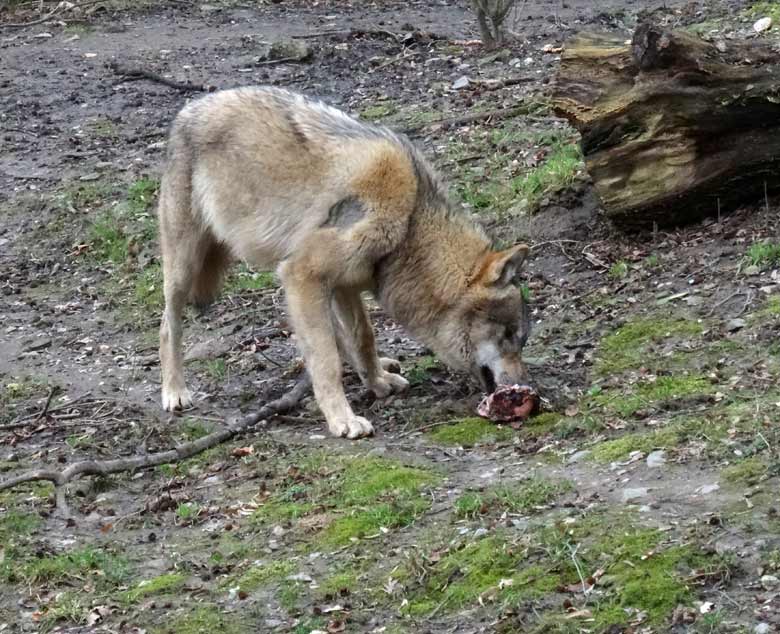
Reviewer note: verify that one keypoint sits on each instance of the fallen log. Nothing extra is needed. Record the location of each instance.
(673, 128)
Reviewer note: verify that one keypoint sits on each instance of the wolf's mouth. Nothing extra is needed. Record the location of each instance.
(488, 380)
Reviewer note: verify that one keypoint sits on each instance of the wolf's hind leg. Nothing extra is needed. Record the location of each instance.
(192, 263)
(357, 343)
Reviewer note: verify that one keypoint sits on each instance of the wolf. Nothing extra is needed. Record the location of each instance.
(337, 207)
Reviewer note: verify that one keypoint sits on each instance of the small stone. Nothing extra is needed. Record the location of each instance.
(460, 83)
(735, 324)
(277, 531)
(480, 532)
(764, 24)
(656, 459)
(629, 495)
(770, 582)
(297, 50)
(707, 489)
(578, 457)
(721, 46)
(752, 270)
(761, 628)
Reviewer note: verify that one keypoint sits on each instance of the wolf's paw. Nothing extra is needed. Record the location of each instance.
(390, 365)
(388, 383)
(352, 427)
(176, 398)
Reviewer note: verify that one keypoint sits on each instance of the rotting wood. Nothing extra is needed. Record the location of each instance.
(673, 127)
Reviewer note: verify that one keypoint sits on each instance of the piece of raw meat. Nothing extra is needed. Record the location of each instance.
(509, 403)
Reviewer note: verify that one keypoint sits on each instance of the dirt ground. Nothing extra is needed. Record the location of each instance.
(642, 499)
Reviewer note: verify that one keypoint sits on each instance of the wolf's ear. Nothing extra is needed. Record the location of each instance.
(499, 269)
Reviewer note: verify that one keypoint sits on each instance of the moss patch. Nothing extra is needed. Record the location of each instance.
(520, 498)
(353, 497)
(204, 619)
(157, 586)
(470, 432)
(468, 570)
(632, 344)
(647, 393)
(747, 471)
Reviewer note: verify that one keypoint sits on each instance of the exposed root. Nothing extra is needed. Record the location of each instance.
(182, 452)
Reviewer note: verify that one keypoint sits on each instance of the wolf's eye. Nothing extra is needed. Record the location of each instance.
(509, 333)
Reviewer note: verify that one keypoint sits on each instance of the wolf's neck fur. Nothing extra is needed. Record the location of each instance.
(430, 272)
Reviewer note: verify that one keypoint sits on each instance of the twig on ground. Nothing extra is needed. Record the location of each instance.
(25, 420)
(61, 6)
(425, 428)
(45, 409)
(727, 299)
(182, 452)
(347, 33)
(281, 60)
(138, 74)
(496, 115)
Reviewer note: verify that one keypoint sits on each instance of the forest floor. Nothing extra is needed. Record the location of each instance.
(640, 500)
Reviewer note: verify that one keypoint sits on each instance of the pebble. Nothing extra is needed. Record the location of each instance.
(460, 83)
(578, 457)
(707, 489)
(630, 495)
(764, 24)
(735, 324)
(770, 582)
(761, 628)
(656, 459)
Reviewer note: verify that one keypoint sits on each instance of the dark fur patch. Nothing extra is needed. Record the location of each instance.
(345, 213)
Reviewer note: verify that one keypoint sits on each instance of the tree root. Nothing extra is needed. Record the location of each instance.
(182, 452)
(138, 74)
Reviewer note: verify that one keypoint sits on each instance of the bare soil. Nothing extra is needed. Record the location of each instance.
(615, 318)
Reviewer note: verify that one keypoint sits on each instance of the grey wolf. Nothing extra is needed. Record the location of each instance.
(337, 207)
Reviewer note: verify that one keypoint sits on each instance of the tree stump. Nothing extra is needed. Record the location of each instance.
(673, 128)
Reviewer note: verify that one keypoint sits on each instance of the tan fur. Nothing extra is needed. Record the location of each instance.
(337, 207)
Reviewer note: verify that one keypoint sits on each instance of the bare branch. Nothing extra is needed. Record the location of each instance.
(182, 452)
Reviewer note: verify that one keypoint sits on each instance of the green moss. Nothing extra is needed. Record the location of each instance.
(642, 573)
(630, 345)
(148, 293)
(72, 607)
(520, 498)
(763, 254)
(264, 574)
(420, 371)
(357, 496)
(470, 569)
(162, 585)
(359, 523)
(557, 172)
(377, 493)
(14, 524)
(378, 111)
(470, 504)
(765, 8)
(621, 448)
(542, 424)
(204, 619)
(470, 432)
(103, 568)
(243, 279)
(618, 270)
(646, 393)
(747, 471)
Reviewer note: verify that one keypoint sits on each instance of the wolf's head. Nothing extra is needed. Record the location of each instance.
(485, 331)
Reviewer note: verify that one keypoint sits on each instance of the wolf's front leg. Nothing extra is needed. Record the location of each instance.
(310, 311)
(357, 343)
